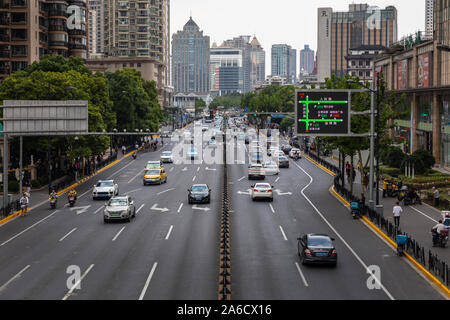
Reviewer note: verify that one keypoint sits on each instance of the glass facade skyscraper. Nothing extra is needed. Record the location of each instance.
(190, 60)
(284, 62)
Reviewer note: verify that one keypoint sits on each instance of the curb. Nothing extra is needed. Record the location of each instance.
(425, 272)
(17, 213)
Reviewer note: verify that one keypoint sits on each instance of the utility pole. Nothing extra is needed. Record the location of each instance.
(372, 146)
(5, 173)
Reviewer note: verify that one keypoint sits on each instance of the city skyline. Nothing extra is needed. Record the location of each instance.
(411, 18)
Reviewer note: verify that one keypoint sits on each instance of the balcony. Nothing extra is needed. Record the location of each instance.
(77, 46)
(57, 13)
(4, 5)
(5, 54)
(57, 28)
(57, 43)
(4, 38)
(4, 21)
(76, 32)
(18, 3)
(18, 54)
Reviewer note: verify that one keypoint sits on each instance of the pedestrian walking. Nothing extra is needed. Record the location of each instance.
(397, 211)
(436, 197)
(385, 188)
(124, 149)
(24, 202)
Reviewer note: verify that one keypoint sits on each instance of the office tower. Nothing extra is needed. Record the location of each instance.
(283, 62)
(442, 22)
(242, 43)
(95, 23)
(429, 19)
(338, 32)
(226, 70)
(307, 60)
(258, 64)
(190, 60)
(30, 29)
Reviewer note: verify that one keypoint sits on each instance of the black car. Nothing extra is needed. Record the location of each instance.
(199, 193)
(317, 248)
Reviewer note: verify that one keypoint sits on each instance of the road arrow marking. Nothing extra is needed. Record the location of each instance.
(155, 208)
(80, 210)
(194, 207)
(248, 193)
(283, 194)
(185, 169)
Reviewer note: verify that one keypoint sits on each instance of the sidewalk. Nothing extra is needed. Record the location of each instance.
(416, 221)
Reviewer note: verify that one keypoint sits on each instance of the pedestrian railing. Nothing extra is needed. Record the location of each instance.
(426, 258)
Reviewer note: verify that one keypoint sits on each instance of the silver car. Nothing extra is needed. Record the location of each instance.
(119, 208)
(105, 190)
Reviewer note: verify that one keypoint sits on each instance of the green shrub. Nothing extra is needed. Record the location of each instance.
(13, 186)
(426, 157)
(35, 184)
(393, 157)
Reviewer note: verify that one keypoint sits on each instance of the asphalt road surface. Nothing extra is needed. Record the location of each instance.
(171, 249)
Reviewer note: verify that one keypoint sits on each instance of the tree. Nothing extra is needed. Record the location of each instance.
(200, 105)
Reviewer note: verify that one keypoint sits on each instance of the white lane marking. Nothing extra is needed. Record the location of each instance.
(17, 276)
(241, 179)
(158, 194)
(20, 233)
(110, 177)
(98, 210)
(181, 206)
(338, 234)
(198, 169)
(171, 169)
(277, 179)
(194, 178)
(84, 194)
(147, 283)
(271, 208)
(118, 234)
(62, 239)
(301, 275)
(140, 208)
(77, 283)
(284, 234)
(168, 233)
(133, 191)
(425, 215)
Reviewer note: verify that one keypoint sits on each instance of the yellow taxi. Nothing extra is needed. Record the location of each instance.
(155, 176)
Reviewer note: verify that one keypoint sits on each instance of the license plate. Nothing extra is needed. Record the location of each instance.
(321, 254)
(115, 215)
(262, 191)
(198, 199)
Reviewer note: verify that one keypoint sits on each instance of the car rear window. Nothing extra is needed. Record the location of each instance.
(320, 242)
(105, 184)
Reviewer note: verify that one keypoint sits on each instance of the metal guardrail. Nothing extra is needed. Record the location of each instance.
(426, 258)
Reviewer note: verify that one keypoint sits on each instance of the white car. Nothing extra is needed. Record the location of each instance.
(256, 170)
(167, 157)
(262, 191)
(271, 168)
(187, 134)
(293, 152)
(212, 143)
(105, 189)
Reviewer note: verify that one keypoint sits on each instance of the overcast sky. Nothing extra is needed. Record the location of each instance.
(293, 22)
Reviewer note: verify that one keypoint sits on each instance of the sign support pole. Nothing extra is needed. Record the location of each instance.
(21, 166)
(372, 146)
(5, 172)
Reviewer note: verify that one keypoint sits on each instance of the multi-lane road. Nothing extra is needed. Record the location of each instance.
(171, 250)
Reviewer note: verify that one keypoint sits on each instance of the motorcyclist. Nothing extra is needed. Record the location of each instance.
(134, 155)
(53, 196)
(437, 231)
(73, 193)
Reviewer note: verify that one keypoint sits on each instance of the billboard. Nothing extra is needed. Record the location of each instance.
(402, 75)
(323, 113)
(36, 117)
(423, 72)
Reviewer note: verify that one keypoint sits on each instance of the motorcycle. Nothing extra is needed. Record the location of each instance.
(71, 200)
(355, 210)
(440, 240)
(402, 240)
(402, 193)
(53, 201)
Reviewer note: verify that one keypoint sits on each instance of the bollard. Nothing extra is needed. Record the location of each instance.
(380, 210)
(372, 204)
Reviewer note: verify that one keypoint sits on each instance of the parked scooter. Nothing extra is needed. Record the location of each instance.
(355, 209)
(440, 240)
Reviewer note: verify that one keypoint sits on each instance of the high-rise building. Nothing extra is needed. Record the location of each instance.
(284, 62)
(307, 59)
(429, 19)
(340, 31)
(258, 64)
(226, 70)
(95, 23)
(442, 22)
(242, 43)
(190, 60)
(30, 29)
